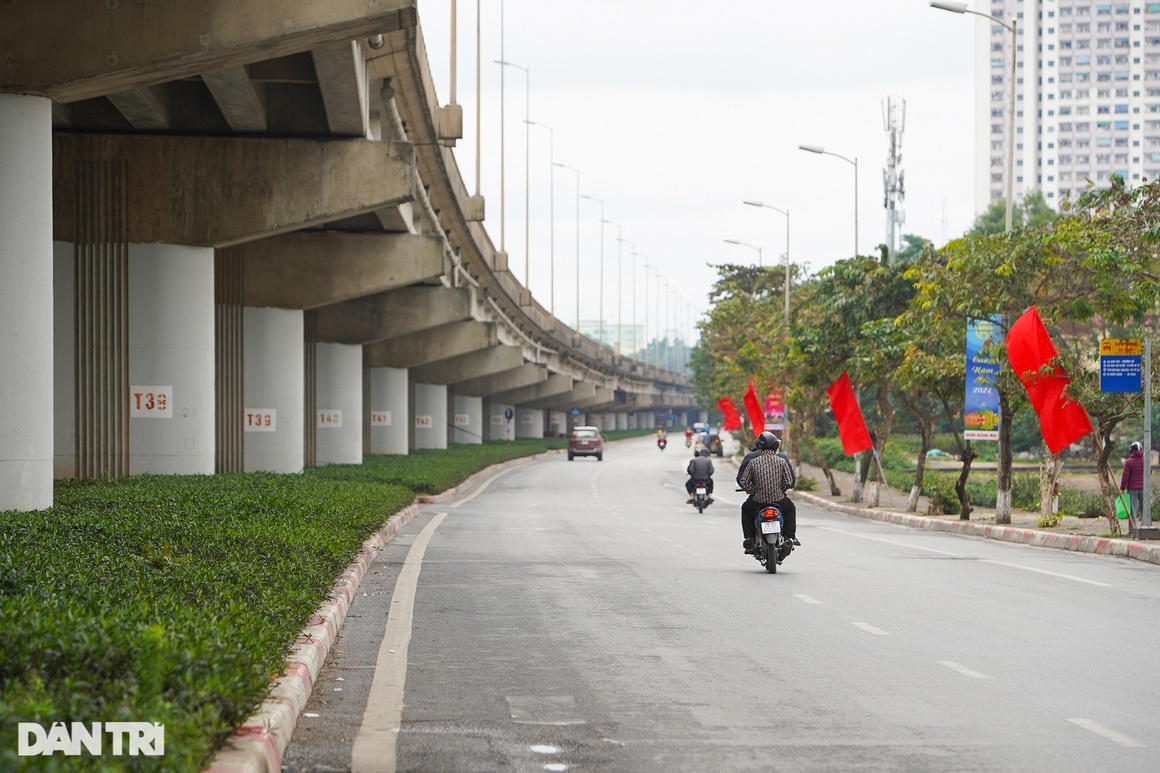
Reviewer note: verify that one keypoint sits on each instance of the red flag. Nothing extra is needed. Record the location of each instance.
(753, 408)
(1061, 420)
(732, 417)
(851, 425)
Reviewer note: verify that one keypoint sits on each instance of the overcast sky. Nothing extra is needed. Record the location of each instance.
(675, 112)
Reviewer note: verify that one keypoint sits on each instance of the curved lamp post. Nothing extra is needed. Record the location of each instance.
(822, 151)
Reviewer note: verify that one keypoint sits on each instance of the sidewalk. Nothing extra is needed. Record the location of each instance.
(1085, 535)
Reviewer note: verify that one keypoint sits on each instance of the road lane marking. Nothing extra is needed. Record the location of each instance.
(960, 555)
(870, 629)
(482, 487)
(544, 710)
(374, 744)
(953, 666)
(806, 599)
(1044, 571)
(1106, 732)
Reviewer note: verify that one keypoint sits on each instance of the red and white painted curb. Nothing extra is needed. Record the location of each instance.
(258, 744)
(1123, 548)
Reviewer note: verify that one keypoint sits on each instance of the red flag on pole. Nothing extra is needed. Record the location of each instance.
(1029, 348)
(851, 425)
(732, 417)
(753, 408)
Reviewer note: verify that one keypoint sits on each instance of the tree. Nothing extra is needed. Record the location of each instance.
(1033, 212)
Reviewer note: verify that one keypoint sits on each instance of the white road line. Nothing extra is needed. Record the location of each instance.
(373, 750)
(1044, 571)
(891, 542)
(961, 555)
(483, 487)
(1106, 732)
(953, 666)
(870, 629)
(806, 599)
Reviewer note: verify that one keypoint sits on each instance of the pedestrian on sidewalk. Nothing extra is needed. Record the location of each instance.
(1132, 480)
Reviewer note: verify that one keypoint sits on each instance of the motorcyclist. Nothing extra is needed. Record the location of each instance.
(700, 470)
(662, 437)
(688, 436)
(767, 474)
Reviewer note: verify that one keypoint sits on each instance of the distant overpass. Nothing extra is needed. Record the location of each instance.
(233, 236)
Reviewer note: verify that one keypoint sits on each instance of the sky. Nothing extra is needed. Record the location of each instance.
(676, 112)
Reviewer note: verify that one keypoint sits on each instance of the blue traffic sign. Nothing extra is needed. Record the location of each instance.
(575, 411)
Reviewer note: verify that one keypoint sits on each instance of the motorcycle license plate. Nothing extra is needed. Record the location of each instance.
(702, 491)
(770, 527)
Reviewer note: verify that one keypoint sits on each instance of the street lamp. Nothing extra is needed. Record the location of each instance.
(822, 151)
(601, 282)
(962, 8)
(750, 246)
(577, 171)
(786, 213)
(527, 173)
(551, 215)
(633, 253)
(763, 205)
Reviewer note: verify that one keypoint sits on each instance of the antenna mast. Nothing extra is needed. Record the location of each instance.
(893, 178)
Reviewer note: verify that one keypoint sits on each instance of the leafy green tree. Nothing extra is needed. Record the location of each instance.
(1034, 211)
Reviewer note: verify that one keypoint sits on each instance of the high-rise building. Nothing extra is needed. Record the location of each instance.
(1087, 96)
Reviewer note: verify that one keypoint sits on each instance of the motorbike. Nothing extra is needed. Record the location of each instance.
(772, 547)
(661, 443)
(688, 441)
(701, 496)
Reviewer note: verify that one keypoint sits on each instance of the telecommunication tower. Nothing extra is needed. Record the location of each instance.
(893, 178)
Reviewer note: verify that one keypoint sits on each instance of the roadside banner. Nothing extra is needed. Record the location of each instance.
(851, 425)
(775, 409)
(981, 402)
(732, 417)
(753, 408)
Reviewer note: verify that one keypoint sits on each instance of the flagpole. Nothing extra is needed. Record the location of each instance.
(1147, 514)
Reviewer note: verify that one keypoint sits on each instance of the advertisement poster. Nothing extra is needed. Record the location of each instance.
(775, 409)
(981, 403)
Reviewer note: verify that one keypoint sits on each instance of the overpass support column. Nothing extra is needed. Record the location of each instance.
(338, 418)
(622, 420)
(429, 425)
(648, 420)
(390, 414)
(467, 419)
(529, 423)
(274, 390)
(26, 271)
(171, 354)
(557, 423)
(500, 427)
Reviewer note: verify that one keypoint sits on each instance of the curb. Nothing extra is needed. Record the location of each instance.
(1105, 546)
(258, 744)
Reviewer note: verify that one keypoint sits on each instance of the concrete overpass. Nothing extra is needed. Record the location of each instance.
(233, 236)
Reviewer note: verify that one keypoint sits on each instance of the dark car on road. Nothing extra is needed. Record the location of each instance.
(585, 441)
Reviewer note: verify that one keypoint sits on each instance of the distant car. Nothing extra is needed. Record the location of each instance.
(585, 441)
(714, 445)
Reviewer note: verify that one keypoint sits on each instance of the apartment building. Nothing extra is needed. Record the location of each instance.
(1087, 86)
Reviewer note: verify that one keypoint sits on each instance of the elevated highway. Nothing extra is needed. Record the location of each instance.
(234, 236)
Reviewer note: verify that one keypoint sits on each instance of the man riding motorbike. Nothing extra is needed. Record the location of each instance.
(700, 470)
(767, 474)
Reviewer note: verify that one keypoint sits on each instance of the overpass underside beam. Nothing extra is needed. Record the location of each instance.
(477, 364)
(308, 269)
(221, 191)
(517, 378)
(437, 344)
(555, 384)
(393, 314)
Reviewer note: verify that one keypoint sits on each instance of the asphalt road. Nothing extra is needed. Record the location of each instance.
(578, 616)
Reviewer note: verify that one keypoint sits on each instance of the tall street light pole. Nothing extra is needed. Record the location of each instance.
(822, 151)
(751, 246)
(786, 213)
(577, 171)
(551, 215)
(527, 156)
(763, 205)
(1012, 26)
(632, 252)
(646, 268)
(601, 280)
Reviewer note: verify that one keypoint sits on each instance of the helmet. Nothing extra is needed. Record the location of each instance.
(768, 441)
(703, 452)
(1136, 447)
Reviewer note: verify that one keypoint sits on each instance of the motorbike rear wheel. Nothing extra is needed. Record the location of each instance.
(771, 558)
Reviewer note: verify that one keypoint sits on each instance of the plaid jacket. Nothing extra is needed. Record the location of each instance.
(766, 477)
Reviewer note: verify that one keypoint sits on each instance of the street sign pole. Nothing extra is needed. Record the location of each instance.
(1147, 521)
